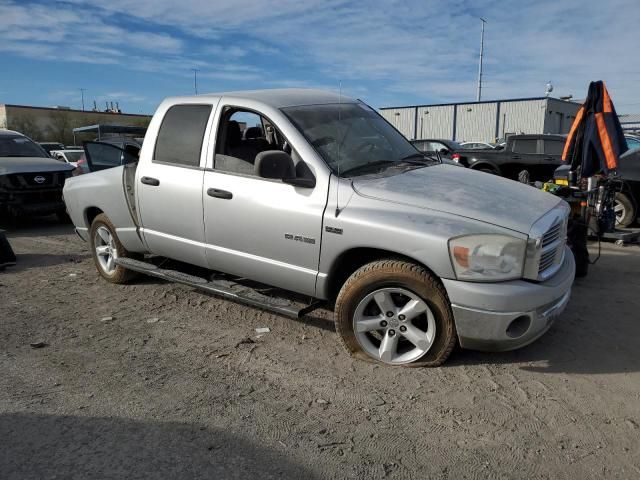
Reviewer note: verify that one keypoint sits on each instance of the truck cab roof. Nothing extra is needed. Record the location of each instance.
(276, 98)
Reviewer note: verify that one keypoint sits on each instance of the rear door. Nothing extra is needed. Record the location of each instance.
(524, 156)
(169, 185)
(100, 156)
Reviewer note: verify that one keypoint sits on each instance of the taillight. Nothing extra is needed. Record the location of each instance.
(455, 157)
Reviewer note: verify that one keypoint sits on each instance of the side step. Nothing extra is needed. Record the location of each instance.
(222, 288)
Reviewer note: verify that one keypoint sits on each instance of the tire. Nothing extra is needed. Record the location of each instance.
(395, 279)
(98, 238)
(487, 170)
(625, 210)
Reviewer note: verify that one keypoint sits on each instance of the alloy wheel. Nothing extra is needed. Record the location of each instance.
(394, 326)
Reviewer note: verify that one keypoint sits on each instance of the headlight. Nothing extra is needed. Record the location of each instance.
(486, 258)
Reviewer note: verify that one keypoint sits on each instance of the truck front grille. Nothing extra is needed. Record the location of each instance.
(552, 248)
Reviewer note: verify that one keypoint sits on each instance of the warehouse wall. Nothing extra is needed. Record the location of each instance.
(476, 122)
(435, 122)
(525, 116)
(404, 119)
(559, 116)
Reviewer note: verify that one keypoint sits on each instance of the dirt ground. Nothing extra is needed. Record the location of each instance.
(153, 380)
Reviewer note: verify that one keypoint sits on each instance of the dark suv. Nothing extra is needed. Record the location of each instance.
(540, 155)
(30, 180)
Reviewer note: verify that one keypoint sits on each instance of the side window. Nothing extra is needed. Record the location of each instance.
(553, 147)
(525, 146)
(242, 135)
(181, 134)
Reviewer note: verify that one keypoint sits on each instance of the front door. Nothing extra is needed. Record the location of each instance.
(260, 228)
(169, 186)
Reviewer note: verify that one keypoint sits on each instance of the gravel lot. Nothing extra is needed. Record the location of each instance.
(155, 380)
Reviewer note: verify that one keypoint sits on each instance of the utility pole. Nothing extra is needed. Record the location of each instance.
(481, 54)
(195, 80)
(82, 90)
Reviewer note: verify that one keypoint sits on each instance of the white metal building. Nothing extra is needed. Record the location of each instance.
(483, 121)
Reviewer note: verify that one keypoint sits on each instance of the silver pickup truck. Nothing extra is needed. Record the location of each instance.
(316, 194)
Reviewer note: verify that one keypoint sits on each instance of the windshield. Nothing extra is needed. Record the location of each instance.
(351, 137)
(18, 146)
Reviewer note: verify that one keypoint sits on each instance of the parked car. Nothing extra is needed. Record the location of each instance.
(445, 148)
(48, 146)
(540, 155)
(30, 180)
(477, 145)
(331, 203)
(69, 156)
(633, 141)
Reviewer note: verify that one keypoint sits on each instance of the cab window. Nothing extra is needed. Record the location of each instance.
(181, 134)
(242, 135)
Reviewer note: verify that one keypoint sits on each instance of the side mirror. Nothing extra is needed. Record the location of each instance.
(274, 164)
(444, 151)
(279, 165)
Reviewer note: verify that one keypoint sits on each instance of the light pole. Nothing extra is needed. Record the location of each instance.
(82, 90)
(195, 80)
(480, 63)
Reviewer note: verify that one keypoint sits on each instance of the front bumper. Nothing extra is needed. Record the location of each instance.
(509, 315)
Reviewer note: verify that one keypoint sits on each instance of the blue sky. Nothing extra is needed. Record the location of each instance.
(390, 52)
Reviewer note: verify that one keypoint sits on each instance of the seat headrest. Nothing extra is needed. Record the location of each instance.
(253, 132)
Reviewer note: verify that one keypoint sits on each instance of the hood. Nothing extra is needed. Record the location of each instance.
(32, 165)
(463, 192)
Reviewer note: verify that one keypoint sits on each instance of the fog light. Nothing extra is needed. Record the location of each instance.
(518, 326)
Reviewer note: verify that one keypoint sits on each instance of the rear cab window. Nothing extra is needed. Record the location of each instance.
(553, 147)
(181, 135)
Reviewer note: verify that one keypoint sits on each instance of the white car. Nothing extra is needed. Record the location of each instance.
(69, 156)
(477, 145)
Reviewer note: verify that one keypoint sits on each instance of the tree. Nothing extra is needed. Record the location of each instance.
(25, 125)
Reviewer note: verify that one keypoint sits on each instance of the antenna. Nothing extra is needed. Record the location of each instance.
(481, 55)
(339, 145)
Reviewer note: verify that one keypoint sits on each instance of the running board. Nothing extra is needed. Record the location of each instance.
(222, 288)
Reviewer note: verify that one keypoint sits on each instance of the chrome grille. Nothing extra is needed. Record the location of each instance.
(552, 235)
(552, 247)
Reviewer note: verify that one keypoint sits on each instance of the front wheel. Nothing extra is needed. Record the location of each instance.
(395, 312)
(106, 249)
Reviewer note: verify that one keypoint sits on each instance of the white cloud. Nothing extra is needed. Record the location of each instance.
(386, 50)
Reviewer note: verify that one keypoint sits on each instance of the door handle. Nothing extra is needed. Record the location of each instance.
(154, 182)
(214, 192)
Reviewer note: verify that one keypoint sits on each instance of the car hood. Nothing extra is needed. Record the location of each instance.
(31, 165)
(463, 192)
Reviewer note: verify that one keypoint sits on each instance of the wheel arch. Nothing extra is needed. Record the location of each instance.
(484, 164)
(352, 259)
(90, 213)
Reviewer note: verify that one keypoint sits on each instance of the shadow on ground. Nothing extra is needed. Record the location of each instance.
(50, 446)
(35, 227)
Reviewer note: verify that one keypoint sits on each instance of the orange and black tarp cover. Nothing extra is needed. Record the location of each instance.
(595, 140)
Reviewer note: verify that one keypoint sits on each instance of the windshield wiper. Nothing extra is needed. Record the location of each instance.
(422, 156)
(366, 166)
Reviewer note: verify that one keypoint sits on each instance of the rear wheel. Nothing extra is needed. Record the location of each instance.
(624, 209)
(106, 249)
(395, 312)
